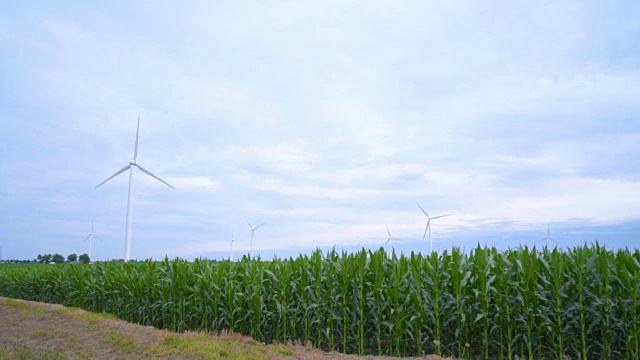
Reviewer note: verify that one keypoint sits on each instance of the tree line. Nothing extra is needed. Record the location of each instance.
(59, 259)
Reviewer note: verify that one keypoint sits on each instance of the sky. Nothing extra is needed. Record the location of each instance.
(328, 121)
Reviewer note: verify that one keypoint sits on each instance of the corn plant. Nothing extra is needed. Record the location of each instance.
(583, 303)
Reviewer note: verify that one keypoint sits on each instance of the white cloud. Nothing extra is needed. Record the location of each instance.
(200, 183)
(275, 186)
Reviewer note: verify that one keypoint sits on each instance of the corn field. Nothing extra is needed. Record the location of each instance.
(583, 303)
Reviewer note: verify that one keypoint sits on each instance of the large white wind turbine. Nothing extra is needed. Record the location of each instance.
(389, 240)
(132, 164)
(232, 241)
(90, 237)
(253, 229)
(429, 226)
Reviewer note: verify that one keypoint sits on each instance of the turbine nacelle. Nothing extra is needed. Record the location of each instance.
(132, 163)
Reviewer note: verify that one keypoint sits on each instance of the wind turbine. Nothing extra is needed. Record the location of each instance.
(232, 241)
(548, 237)
(132, 164)
(253, 229)
(429, 226)
(90, 237)
(389, 240)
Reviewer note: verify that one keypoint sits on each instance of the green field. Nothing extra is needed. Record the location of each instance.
(483, 304)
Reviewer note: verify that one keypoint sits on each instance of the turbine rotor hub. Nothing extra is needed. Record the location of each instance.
(132, 162)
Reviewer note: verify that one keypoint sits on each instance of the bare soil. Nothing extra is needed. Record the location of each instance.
(32, 330)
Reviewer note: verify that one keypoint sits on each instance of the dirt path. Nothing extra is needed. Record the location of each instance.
(31, 330)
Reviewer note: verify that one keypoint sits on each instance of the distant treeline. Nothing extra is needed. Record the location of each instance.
(9, 261)
(52, 259)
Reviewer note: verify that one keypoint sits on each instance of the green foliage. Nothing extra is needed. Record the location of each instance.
(582, 303)
(84, 258)
(72, 258)
(58, 259)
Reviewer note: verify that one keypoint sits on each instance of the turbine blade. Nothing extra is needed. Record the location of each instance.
(150, 174)
(259, 226)
(87, 238)
(441, 216)
(248, 223)
(388, 232)
(422, 210)
(114, 175)
(387, 241)
(97, 237)
(135, 151)
(425, 230)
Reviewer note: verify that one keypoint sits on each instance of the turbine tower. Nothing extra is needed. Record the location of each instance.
(90, 237)
(253, 229)
(132, 163)
(429, 226)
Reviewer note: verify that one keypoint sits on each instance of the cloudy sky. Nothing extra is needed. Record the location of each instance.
(326, 120)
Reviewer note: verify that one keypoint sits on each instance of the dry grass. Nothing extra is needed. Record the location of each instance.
(33, 330)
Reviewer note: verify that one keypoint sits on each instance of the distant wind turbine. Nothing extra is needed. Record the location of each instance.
(132, 164)
(232, 241)
(429, 226)
(90, 237)
(389, 240)
(253, 229)
(548, 237)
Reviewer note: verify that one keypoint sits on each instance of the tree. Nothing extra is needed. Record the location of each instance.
(72, 258)
(84, 258)
(45, 259)
(58, 259)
